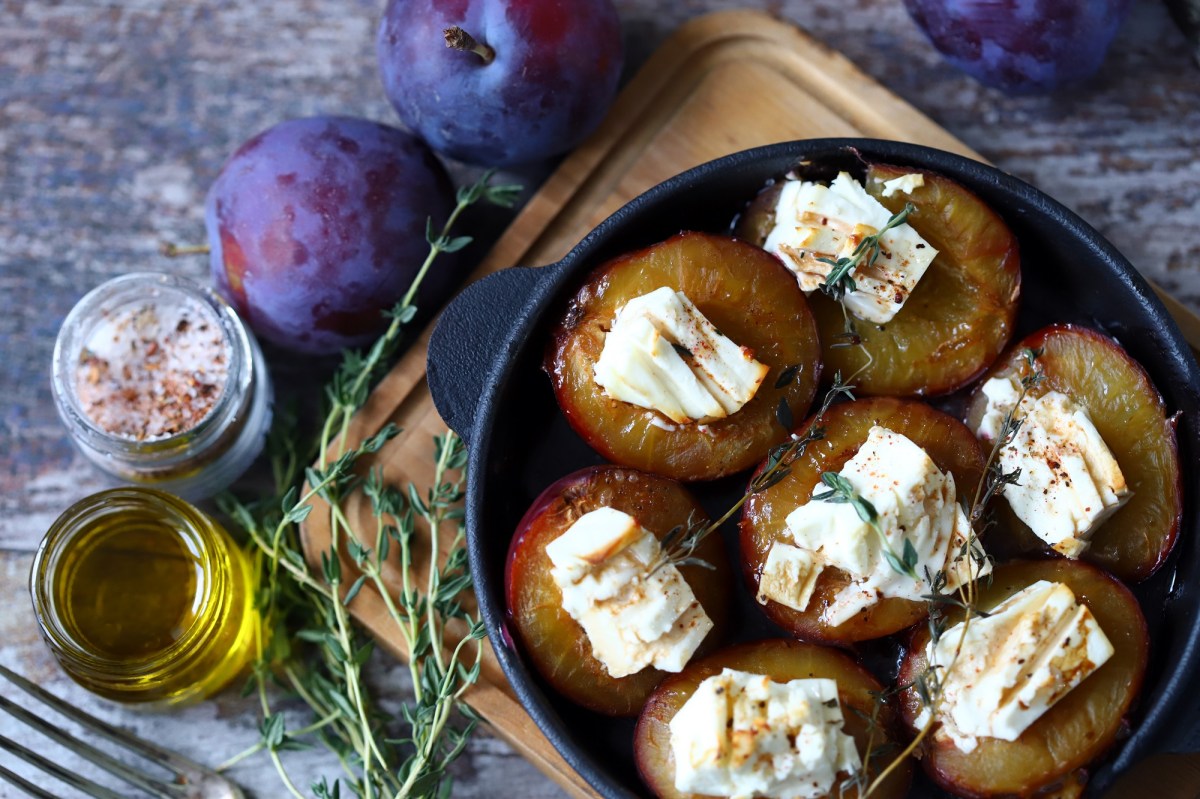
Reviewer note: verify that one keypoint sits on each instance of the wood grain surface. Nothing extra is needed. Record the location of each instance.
(114, 118)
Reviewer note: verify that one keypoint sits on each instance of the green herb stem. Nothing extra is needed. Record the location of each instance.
(302, 603)
(990, 486)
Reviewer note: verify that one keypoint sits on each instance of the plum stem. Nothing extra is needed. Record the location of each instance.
(459, 39)
(172, 250)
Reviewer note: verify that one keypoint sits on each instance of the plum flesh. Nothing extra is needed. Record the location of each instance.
(781, 661)
(950, 445)
(1076, 730)
(1131, 417)
(317, 226)
(748, 295)
(554, 642)
(960, 315)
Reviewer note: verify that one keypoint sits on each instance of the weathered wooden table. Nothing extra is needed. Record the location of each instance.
(114, 118)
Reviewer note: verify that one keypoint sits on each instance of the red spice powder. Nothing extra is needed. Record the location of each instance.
(154, 369)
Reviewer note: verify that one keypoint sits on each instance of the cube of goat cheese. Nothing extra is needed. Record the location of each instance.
(788, 577)
(905, 184)
(744, 735)
(1070, 483)
(662, 353)
(1014, 664)
(814, 222)
(632, 618)
(915, 502)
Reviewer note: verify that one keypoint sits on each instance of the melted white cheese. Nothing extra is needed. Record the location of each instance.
(915, 502)
(813, 221)
(632, 618)
(1070, 483)
(1014, 664)
(789, 576)
(663, 354)
(904, 184)
(744, 735)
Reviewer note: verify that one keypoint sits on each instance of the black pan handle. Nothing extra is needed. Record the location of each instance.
(468, 339)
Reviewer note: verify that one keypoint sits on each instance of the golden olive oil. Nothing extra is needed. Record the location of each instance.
(143, 598)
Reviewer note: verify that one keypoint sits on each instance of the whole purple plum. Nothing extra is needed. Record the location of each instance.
(316, 226)
(500, 82)
(1022, 46)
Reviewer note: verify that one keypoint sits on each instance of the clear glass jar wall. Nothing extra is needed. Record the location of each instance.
(143, 598)
(160, 384)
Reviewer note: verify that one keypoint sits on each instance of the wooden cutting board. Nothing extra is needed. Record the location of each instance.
(722, 83)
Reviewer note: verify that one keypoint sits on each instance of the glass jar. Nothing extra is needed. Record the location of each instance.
(160, 384)
(143, 598)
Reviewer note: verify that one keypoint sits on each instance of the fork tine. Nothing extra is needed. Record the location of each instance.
(124, 771)
(82, 784)
(171, 760)
(12, 778)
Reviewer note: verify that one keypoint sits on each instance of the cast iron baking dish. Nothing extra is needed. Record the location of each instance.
(487, 382)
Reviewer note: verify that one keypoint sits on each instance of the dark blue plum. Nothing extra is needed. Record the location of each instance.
(317, 225)
(552, 75)
(1022, 46)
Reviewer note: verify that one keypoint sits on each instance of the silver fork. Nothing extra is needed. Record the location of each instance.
(191, 780)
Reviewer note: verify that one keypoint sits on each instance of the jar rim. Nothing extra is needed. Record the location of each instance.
(69, 525)
(164, 450)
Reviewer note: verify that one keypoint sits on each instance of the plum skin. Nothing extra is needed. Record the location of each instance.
(748, 294)
(554, 643)
(1102, 699)
(555, 73)
(1022, 46)
(950, 445)
(781, 660)
(1141, 437)
(317, 225)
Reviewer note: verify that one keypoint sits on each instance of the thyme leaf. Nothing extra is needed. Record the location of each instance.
(839, 282)
(679, 544)
(787, 376)
(307, 645)
(929, 683)
(842, 491)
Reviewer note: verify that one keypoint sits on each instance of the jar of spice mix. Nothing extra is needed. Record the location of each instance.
(160, 383)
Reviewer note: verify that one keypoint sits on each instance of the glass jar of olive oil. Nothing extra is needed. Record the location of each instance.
(143, 598)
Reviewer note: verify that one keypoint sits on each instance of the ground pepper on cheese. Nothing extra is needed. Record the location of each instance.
(817, 224)
(745, 735)
(1014, 664)
(915, 501)
(632, 618)
(1070, 483)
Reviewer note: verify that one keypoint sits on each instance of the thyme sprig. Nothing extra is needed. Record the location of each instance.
(841, 491)
(839, 281)
(929, 683)
(995, 478)
(680, 543)
(307, 644)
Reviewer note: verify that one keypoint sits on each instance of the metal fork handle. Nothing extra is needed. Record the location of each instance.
(157, 789)
(202, 781)
(82, 784)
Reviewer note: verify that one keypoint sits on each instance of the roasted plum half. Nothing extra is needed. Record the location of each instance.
(950, 445)
(959, 316)
(748, 295)
(1077, 730)
(1131, 417)
(554, 642)
(781, 661)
